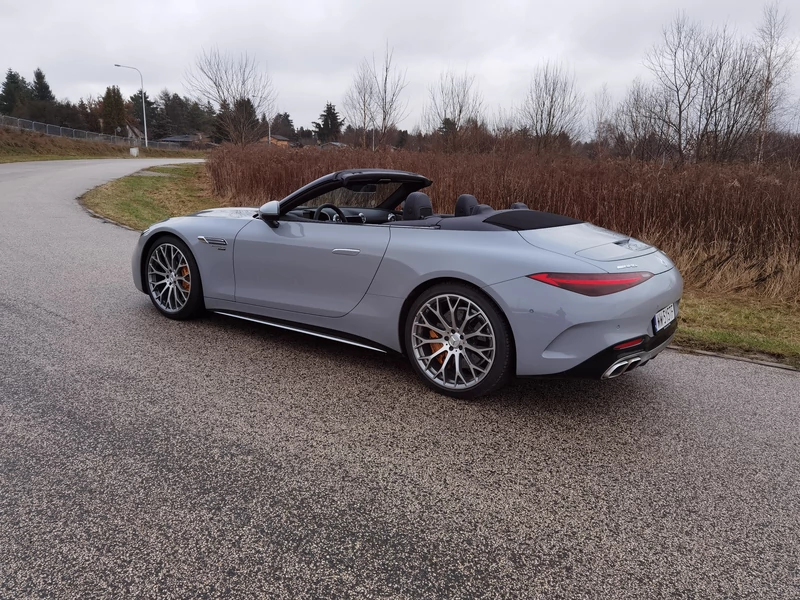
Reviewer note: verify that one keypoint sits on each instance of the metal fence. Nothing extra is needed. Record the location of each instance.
(78, 134)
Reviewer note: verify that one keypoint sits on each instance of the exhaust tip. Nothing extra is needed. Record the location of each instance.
(632, 364)
(621, 366)
(615, 370)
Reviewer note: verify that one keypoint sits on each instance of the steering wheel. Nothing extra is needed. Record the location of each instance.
(333, 207)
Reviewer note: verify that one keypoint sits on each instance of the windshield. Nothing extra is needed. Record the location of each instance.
(356, 195)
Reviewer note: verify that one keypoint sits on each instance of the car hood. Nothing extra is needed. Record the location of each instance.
(227, 213)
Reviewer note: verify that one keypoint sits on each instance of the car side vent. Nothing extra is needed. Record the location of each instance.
(213, 241)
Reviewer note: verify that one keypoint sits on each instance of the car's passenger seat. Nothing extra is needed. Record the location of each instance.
(417, 206)
(480, 209)
(464, 205)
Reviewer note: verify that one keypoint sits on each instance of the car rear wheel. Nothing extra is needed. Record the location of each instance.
(173, 279)
(458, 341)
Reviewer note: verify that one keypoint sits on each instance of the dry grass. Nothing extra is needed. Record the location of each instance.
(17, 146)
(730, 228)
(139, 200)
(745, 326)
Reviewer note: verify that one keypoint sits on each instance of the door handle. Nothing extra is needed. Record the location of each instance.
(347, 251)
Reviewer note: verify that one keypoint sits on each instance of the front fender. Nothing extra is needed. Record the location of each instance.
(215, 260)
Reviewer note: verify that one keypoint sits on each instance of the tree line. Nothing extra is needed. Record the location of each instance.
(168, 114)
(712, 95)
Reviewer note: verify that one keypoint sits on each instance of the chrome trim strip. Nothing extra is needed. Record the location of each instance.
(347, 251)
(299, 330)
(212, 240)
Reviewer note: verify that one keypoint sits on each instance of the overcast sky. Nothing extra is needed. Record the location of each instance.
(311, 47)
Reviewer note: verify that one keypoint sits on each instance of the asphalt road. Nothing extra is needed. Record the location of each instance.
(144, 458)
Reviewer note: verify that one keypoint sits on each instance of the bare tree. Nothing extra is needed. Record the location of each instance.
(727, 105)
(718, 90)
(239, 88)
(553, 107)
(359, 101)
(777, 56)
(388, 107)
(452, 102)
(640, 123)
(504, 122)
(601, 119)
(677, 64)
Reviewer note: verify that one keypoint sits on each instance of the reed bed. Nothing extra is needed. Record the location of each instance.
(730, 228)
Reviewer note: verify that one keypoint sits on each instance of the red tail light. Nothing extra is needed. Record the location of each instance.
(593, 284)
(629, 344)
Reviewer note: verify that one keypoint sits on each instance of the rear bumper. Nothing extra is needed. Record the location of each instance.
(561, 332)
(611, 363)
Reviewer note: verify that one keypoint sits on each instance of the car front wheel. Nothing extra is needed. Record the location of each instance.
(173, 279)
(458, 341)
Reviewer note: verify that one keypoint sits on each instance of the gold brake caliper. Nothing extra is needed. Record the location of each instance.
(185, 274)
(436, 347)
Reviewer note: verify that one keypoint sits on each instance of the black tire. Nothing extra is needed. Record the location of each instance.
(498, 372)
(178, 303)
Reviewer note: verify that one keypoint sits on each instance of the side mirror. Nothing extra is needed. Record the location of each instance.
(270, 212)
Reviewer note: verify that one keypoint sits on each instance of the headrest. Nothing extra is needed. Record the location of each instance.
(519, 205)
(417, 206)
(464, 205)
(481, 209)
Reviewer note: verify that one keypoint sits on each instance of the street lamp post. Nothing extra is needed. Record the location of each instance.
(144, 115)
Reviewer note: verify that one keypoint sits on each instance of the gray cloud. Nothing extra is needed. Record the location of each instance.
(311, 47)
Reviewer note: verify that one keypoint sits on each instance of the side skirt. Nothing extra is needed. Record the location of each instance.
(308, 331)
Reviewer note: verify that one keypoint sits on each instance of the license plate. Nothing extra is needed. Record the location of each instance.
(664, 317)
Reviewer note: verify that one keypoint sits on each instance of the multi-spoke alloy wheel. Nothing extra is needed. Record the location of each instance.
(171, 273)
(458, 341)
(453, 341)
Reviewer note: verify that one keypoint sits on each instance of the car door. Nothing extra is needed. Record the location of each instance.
(320, 268)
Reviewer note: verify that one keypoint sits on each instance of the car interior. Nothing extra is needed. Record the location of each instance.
(385, 202)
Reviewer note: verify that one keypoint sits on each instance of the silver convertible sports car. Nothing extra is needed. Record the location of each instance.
(472, 298)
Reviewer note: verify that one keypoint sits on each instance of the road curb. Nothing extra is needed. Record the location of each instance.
(104, 219)
(755, 361)
(112, 221)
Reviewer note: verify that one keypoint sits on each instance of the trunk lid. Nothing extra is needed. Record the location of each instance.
(608, 250)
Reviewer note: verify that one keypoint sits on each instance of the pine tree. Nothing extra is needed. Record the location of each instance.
(304, 135)
(113, 113)
(196, 118)
(220, 124)
(136, 105)
(68, 114)
(176, 110)
(282, 125)
(248, 126)
(41, 89)
(402, 139)
(159, 125)
(14, 93)
(89, 111)
(329, 126)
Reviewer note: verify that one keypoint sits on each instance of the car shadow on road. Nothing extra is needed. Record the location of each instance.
(523, 394)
